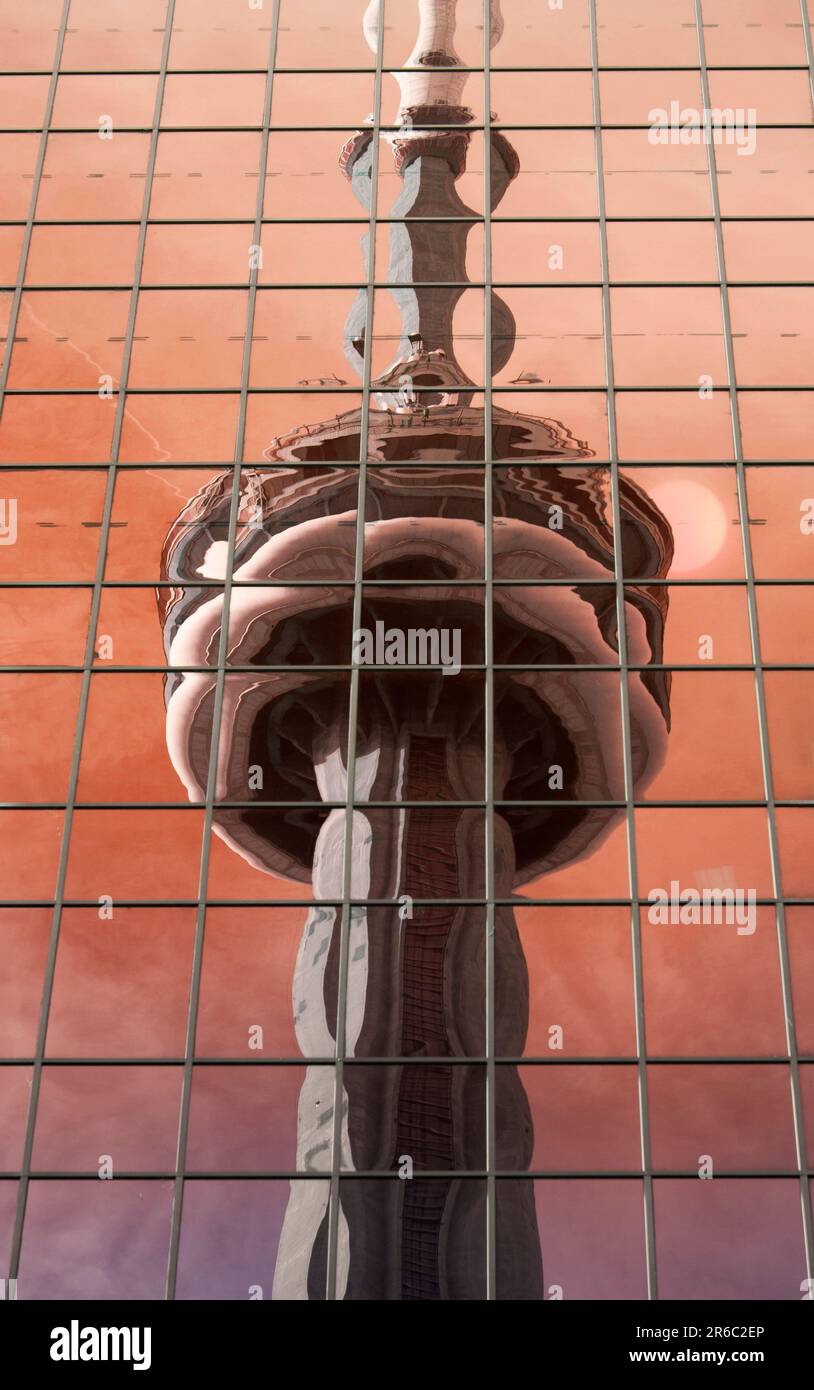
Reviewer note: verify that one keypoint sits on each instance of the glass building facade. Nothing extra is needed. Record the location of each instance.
(406, 558)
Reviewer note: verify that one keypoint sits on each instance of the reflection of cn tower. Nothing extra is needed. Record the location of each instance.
(415, 988)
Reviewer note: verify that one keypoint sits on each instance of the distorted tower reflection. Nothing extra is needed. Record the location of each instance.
(415, 987)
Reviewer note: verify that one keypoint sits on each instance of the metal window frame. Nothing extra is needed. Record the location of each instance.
(187, 1064)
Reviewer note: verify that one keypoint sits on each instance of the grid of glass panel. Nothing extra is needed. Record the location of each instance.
(179, 257)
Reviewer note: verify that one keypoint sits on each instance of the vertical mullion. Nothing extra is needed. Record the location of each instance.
(220, 684)
(353, 699)
(93, 616)
(754, 634)
(39, 163)
(809, 48)
(488, 657)
(633, 872)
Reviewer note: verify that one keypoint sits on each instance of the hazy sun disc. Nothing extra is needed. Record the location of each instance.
(698, 522)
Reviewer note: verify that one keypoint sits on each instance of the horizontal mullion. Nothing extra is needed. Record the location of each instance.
(381, 285)
(602, 1060)
(392, 1174)
(473, 803)
(384, 220)
(353, 127)
(223, 464)
(459, 68)
(298, 904)
(109, 668)
(593, 389)
(238, 583)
